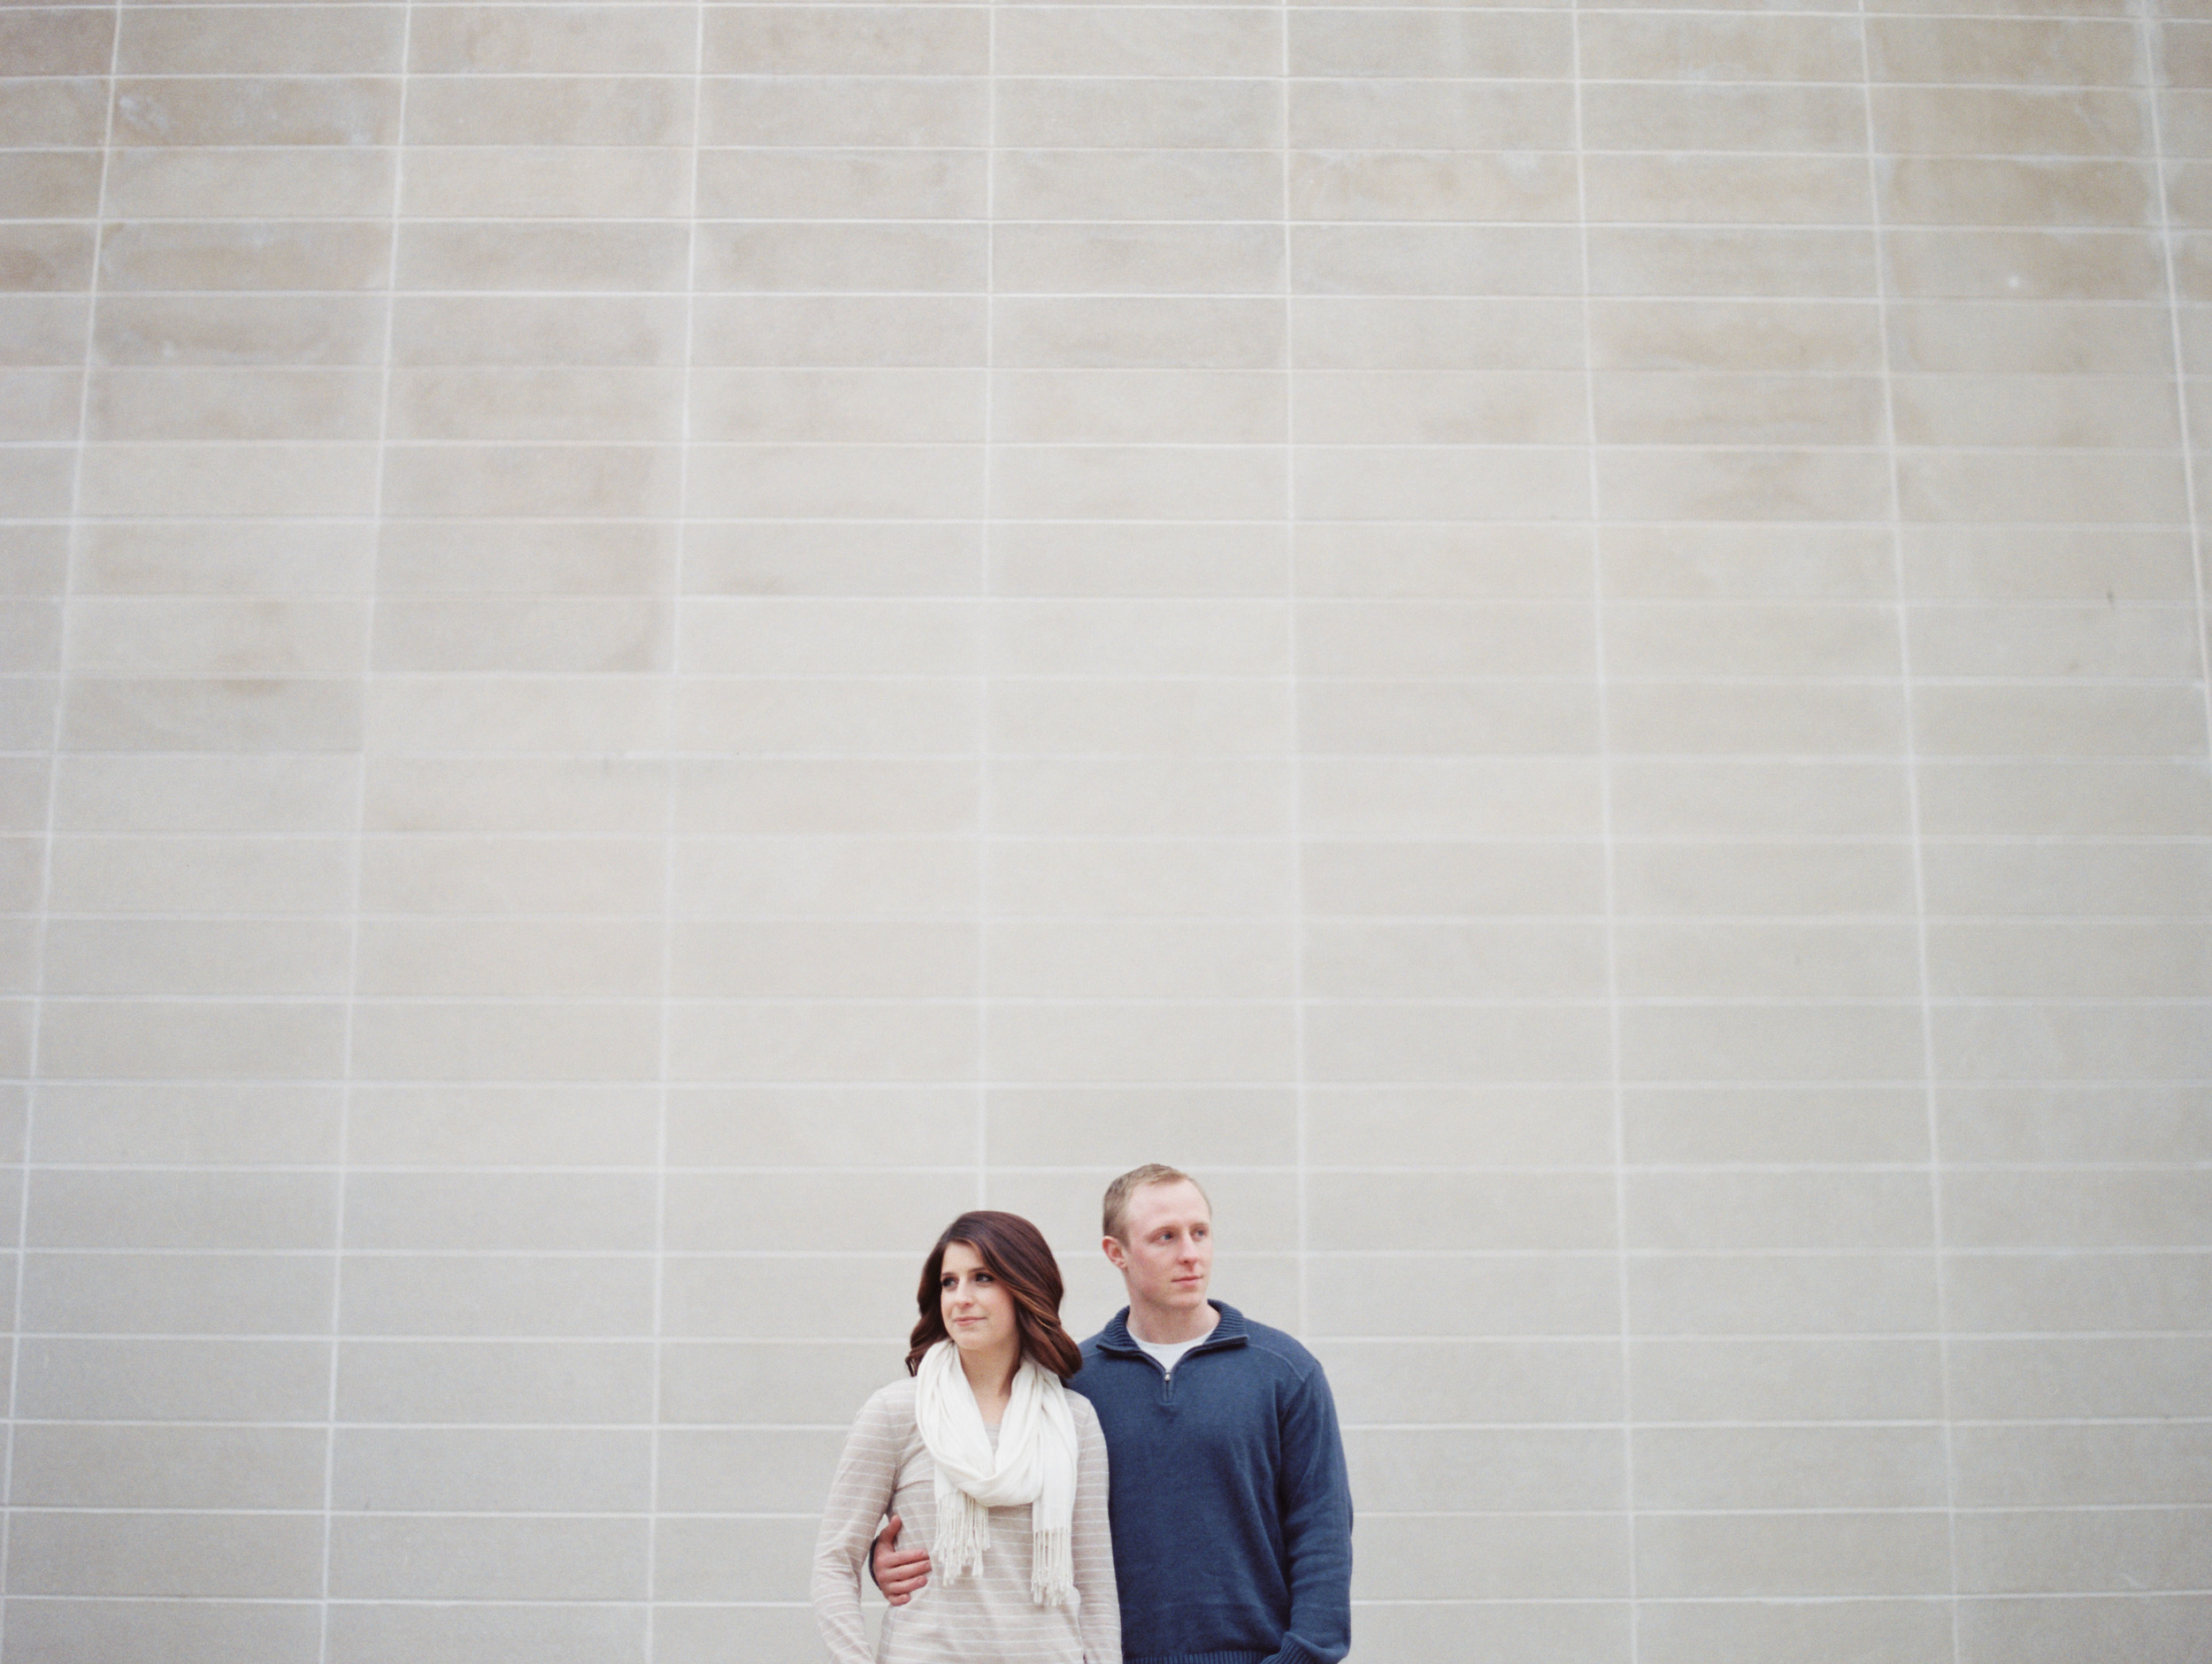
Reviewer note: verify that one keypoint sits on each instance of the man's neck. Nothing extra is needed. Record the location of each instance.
(1168, 1327)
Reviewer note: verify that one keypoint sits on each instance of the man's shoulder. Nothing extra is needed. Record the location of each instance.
(1112, 1336)
(1277, 1352)
(1278, 1343)
(1093, 1354)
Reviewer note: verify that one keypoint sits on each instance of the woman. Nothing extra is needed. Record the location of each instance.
(989, 1459)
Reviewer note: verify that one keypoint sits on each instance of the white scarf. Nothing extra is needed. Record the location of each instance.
(1034, 1463)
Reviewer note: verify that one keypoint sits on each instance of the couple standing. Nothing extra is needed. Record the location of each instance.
(1229, 1539)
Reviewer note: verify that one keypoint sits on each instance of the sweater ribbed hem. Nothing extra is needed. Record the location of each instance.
(1290, 1653)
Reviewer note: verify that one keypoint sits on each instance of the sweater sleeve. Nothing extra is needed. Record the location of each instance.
(867, 1474)
(1317, 1504)
(1091, 1545)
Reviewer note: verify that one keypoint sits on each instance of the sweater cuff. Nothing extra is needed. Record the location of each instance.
(1296, 1652)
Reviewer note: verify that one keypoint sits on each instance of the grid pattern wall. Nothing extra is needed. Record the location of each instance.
(653, 645)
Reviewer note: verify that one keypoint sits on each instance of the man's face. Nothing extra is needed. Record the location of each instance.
(1166, 1253)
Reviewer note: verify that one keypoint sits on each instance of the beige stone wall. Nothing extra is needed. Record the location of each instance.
(652, 645)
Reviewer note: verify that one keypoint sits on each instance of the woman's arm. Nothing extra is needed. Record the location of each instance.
(867, 1473)
(1091, 1545)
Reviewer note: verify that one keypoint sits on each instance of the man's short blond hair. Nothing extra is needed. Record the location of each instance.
(1120, 1193)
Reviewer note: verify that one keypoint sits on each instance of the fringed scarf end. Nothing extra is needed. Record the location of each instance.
(1051, 1566)
(963, 1539)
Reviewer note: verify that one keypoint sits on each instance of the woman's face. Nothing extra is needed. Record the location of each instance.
(979, 1312)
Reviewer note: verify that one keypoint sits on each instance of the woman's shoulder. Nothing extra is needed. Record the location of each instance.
(890, 1403)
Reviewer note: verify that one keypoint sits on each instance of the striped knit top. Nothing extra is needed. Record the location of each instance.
(985, 1619)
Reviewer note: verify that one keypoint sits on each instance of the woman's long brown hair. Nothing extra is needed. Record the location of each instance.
(1015, 1252)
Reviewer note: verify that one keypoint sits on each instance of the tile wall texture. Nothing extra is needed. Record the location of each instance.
(652, 645)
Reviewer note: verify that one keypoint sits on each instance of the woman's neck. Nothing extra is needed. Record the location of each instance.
(991, 1378)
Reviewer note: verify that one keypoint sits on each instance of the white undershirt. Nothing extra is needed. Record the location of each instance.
(1170, 1352)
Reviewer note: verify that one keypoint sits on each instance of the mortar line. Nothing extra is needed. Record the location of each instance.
(671, 684)
(2153, 24)
(359, 841)
(1607, 845)
(986, 636)
(1911, 761)
(1301, 1106)
(32, 1061)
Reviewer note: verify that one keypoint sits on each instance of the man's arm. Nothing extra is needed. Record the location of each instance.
(1315, 1494)
(898, 1572)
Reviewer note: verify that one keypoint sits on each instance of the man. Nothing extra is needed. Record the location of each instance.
(1232, 1514)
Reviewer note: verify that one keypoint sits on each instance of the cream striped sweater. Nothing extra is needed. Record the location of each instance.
(987, 1620)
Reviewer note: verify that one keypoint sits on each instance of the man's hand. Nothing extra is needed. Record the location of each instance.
(897, 1572)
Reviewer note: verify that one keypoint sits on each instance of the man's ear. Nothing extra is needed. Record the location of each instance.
(1115, 1252)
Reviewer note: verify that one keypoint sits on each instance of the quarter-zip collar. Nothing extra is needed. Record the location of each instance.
(1230, 1330)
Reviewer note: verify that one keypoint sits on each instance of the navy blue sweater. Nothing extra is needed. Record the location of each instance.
(1232, 1514)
